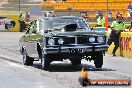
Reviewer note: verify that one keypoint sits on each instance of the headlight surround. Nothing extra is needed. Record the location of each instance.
(60, 41)
(51, 42)
(92, 39)
(100, 39)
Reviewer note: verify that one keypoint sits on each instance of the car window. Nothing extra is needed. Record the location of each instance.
(60, 23)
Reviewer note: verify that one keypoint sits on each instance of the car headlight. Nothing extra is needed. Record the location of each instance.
(51, 42)
(92, 39)
(60, 41)
(100, 39)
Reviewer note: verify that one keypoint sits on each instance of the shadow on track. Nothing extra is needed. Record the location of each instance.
(68, 67)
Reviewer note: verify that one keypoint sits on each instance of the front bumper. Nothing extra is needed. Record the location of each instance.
(76, 49)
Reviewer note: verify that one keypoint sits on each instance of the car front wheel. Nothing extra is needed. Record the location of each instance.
(75, 60)
(45, 63)
(98, 60)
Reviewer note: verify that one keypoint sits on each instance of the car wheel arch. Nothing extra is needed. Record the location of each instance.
(39, 49)
(22, 49)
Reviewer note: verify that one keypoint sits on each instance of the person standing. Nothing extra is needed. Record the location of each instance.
(101, 21)
(22, 22)
(130, 27)
(129, 9)
(117, 27)
(27, 17)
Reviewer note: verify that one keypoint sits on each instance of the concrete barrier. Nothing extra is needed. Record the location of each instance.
(125, 48)
(126, 44)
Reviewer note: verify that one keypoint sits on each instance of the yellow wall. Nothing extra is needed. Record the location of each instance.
(125, 48)
(14, 18)
(126, 44)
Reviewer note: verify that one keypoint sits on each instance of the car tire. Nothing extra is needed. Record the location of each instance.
(75, 61)
(45, 63)
(98, 60)
(26, 59)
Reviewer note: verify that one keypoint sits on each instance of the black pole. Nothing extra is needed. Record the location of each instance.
(19, 5)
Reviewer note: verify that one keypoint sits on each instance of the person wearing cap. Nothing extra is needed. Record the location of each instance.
(117, 27)
(100, 21)
(22, 22)
(27, 17)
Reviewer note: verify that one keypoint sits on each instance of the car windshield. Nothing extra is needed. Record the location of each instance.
(59, 24)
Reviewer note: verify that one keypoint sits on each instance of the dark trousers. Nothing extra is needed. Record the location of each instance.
(114, 38)
(22, 26)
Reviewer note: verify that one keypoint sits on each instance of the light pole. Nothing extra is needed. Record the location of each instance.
(19, 5)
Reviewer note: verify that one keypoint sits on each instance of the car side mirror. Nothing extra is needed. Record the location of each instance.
(92, 28)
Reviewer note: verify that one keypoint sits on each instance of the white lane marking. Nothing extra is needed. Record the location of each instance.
(60, 62)
(42, 87)
(14, 64)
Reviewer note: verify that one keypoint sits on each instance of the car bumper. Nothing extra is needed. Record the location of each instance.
(76, 49)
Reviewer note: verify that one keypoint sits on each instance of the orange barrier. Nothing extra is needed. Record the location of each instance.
(106, 23)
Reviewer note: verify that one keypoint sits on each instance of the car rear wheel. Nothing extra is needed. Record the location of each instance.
(98, 60)
(45, 63)
(26, 59)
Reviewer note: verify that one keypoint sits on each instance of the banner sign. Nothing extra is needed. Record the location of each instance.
(126, 44)
(9, 23)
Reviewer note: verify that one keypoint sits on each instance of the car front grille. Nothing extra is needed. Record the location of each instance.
(76, 40)
(67, 40)
(85, 40)
(82, 40)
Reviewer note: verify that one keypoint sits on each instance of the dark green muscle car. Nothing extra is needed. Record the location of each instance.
(58, 38)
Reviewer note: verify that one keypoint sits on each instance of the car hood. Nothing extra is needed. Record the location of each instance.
(75, 33)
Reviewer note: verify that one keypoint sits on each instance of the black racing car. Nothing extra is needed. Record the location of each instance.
(58, 38)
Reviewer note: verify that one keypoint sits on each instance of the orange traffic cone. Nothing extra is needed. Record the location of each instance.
(86, 74)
